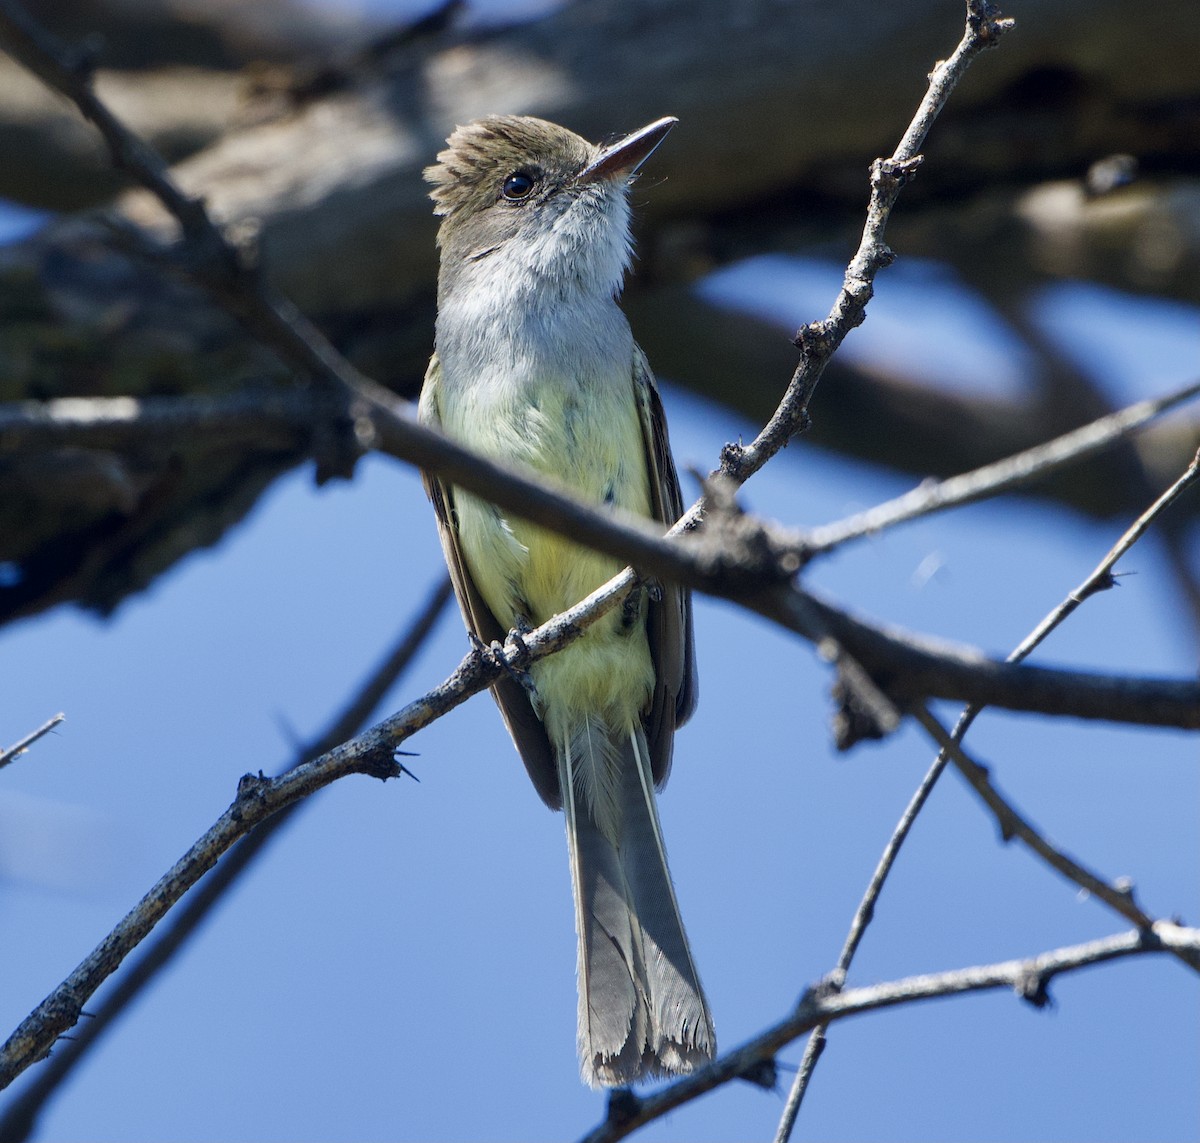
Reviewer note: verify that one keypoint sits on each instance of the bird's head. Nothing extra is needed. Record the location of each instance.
(526, 203)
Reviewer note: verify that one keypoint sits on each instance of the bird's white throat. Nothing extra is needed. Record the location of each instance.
(543, 298)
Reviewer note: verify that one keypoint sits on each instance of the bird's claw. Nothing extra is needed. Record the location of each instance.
(498, 655)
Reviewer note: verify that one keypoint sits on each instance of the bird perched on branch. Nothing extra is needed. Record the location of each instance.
(535, 365)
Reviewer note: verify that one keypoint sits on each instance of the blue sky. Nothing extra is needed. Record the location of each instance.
(404, 944)
(401, 963)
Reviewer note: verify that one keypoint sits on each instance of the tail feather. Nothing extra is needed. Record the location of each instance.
(642, 1010)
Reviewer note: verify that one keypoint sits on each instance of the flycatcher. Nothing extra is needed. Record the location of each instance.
(535, 364)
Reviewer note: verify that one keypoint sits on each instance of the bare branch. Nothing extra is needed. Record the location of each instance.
(1102, 577)
(910, 666)
(18, 748)
(382, 420)
(1099, 579)
(267, 415)
(818, 342)
(259, 798)
(1028, 978)
(863, 916)
(931, 497)
(19, 1120)
(1118, 897)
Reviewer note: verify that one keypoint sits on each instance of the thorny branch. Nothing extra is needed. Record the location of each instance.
(993, 479)
(259, 798)
(1119, 896)
(19, 1119)
(381, 421)
(821, 1006)
(818, 341)
(388, 423)
(1012, 824)
(863, 916)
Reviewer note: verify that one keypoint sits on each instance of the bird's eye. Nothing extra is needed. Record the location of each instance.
(517, 186)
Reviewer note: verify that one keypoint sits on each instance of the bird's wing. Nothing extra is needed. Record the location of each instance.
(523, 723)
(670, 618)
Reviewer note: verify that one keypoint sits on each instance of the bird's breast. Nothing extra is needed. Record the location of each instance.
(557, 398)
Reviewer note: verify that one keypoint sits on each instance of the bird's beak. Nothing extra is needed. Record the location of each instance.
(625, 156)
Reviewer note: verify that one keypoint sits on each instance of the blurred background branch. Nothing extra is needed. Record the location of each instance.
(318, 170)
(1074, 159)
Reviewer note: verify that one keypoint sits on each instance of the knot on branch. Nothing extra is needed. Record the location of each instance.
(733, 462)
(857, 291)
(1034, 987)
(816, 994)
(855, 721)
(383, 764)
(336, 444)
(890, 176)
(737, 552)
(985, 23)
(815, 341)
(864, 710)
(1103, 582)
(881, 257)
(252, 788)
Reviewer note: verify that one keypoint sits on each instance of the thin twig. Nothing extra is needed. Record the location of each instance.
(18, 748)
(391, 424)
(1100, 578)
(916, 667)
(1118, 897)
(932, 669)
(20, 1118)
(937, 496)
(1028, 978)
(863, 916)
(259, 798)
(275, 417)
(1012, 824)
(371, 753)
(818, 342)
(382, 420)
(1067, 385)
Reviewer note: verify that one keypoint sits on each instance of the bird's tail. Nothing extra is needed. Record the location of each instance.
(641, 1008)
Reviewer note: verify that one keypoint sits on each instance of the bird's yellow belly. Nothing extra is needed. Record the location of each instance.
(526, 573)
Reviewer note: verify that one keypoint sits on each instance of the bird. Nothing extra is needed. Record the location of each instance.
(535, 365)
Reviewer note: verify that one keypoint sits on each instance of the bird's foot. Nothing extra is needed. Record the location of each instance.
(501, 657)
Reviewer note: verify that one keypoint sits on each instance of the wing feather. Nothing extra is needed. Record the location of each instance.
(523, 724)
(669, 624)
